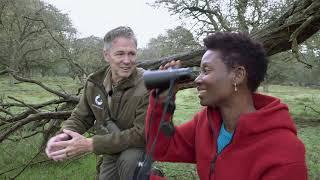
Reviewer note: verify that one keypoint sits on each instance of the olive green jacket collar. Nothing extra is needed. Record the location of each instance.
(103, 78)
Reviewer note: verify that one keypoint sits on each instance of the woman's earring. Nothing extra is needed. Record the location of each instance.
(235, 87)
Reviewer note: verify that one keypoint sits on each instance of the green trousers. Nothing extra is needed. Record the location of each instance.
(120, 166)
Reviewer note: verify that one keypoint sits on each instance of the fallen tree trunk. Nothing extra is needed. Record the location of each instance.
(296, 25)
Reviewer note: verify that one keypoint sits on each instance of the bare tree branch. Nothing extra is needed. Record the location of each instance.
(5, 111)
(24, 104)
(276, 36)
(28, 112)
(29, 162)
(209, 13)
(26, 136)
(5, 71)
(34, 117)
(38, 162)
(189, 59)
(293, 39)
(41, 105)
(65, 96)
(313, 109)
(241, 7)
(3, 64)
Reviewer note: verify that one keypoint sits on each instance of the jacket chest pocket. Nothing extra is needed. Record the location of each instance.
(98, 105)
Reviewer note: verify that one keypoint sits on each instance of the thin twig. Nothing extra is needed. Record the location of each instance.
(23, 103)
(294, 36)
(28, 112)
(79, 90)
(34, 117)
(38, 162)
(6, 111)
(313, 109)
(62, 89)
(65, 96)
(76, 158)
(37, 106)
(30, 161)
(27, 136)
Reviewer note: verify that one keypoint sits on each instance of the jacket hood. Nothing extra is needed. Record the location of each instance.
(270, 115)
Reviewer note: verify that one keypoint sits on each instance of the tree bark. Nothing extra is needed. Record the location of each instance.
(277, 36)
(299, 22)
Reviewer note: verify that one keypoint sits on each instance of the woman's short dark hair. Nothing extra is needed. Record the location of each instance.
(238, 49)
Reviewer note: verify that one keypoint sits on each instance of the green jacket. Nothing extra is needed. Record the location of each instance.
(129, 101)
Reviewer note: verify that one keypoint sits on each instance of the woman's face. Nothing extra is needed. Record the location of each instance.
(215, 82)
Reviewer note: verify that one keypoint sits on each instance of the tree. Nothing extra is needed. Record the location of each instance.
(299, 22)
(87, 52)
(175, 40)
(32, 35)
(284, 69)
(221, 15)
(295, 25)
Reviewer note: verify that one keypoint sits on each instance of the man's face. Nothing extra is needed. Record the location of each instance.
(214, 84)
(121, 57)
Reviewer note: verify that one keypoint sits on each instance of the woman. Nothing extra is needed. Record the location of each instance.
(239, 134)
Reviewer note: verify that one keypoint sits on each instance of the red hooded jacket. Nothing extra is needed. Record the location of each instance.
(264, 145)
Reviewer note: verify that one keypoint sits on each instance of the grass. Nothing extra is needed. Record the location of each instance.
(33, 94)
(297, 99)
(14, 154)
(75, 169)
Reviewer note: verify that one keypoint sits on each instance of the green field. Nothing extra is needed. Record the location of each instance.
(15, 154)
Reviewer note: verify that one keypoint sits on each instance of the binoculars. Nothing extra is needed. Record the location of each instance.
(160, 79)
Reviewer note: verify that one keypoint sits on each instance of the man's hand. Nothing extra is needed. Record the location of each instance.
(77, 145)
(58, 138)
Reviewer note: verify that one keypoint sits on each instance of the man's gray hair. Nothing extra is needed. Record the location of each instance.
(121, 31)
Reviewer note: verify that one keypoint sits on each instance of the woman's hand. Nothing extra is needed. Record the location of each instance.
(171, 64)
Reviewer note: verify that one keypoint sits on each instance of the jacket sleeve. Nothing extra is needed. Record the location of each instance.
(132, 137)
(81, 118)
(176, 148)
(292, 171)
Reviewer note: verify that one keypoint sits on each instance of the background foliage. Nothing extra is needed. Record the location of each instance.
(39, 42)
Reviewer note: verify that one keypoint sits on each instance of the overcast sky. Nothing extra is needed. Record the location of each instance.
(96, 17)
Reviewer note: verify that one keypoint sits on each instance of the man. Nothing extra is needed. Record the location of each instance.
(114, 101)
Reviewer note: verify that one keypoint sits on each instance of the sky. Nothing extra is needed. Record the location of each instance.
(96, 17)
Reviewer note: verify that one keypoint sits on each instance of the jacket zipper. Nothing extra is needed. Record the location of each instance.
(234, 132)
(214, 159)
(212, 163)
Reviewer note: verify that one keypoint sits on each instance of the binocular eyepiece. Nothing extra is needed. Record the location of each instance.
(160, 79)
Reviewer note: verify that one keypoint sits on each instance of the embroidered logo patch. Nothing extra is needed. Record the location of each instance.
(98, 100)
